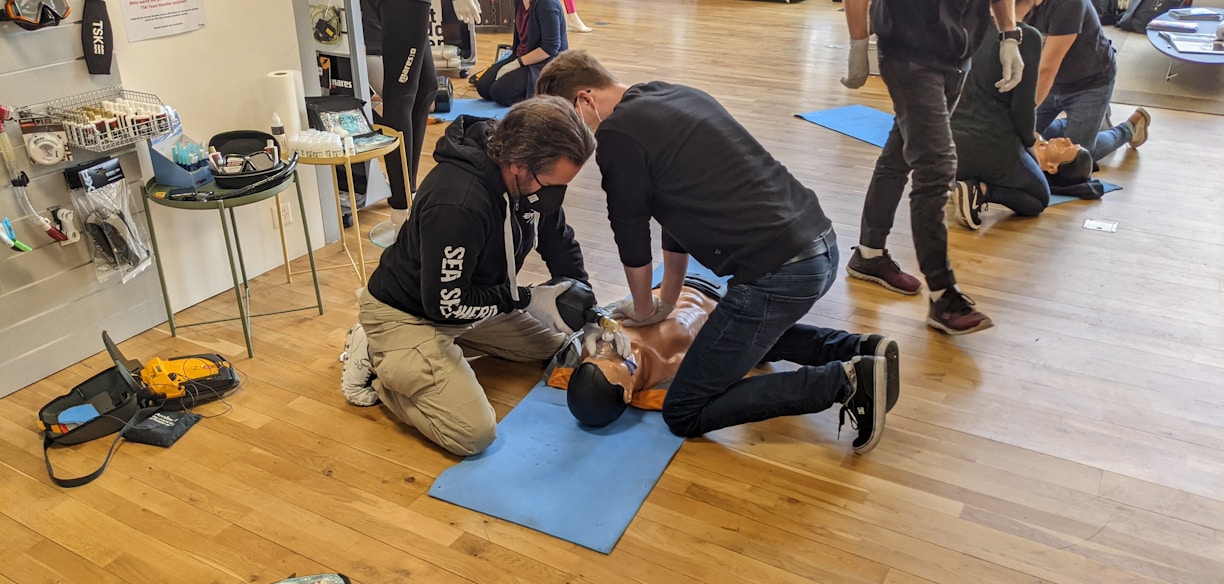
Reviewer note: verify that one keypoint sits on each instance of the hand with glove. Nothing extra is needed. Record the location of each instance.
(624, 312)
(858, 65)
(543, 305)
(593, 334)
(467, 10)
(1013, 65)
(513, 65)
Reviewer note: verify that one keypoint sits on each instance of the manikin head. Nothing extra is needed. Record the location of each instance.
(580, 80)
(1063, 162)
(540, 146)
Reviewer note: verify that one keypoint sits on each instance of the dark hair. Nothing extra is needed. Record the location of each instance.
(537, 132)
(571, 72)
(1073, 172)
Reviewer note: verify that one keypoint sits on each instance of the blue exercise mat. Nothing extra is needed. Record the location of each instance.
(1060, 199)
(546, 472)
(473, 107)
(857, 121)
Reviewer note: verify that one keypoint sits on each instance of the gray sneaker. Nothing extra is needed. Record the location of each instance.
(357, 376)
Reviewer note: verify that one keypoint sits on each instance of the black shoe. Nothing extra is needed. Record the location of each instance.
(882, 347)
(860, 406)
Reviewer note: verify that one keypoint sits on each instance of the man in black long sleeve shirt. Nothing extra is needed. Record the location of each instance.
(674, 154)
(449, 279)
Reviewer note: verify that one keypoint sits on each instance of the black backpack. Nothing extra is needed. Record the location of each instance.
(1141, 12)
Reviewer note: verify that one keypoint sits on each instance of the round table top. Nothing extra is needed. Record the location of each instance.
(360, 156)
(156, 193)
(1204, 27)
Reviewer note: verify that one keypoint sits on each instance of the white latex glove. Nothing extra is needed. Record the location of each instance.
(467, 10)
(857, 66)
(1013, 65)
(508, 67)
(593, 334)
(623, 311)
(543, 306)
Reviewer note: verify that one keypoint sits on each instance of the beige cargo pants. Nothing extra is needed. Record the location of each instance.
(425, 381)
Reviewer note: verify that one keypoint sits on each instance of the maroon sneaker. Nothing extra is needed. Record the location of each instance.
(883, 271)
(954, 314)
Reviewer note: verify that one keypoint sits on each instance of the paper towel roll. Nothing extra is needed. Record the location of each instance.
(284, 94)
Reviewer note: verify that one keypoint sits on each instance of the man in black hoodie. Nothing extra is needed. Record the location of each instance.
(448, 281)
(925, 49)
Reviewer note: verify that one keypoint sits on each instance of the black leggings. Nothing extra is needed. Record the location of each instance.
(409, 86)
(509, 90)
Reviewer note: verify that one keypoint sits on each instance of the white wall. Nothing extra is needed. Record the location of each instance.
(212, 78)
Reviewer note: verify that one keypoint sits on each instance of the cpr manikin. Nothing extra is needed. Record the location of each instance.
(1063, 161)
(602, 384)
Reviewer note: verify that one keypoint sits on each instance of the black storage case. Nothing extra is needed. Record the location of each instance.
(242, 143)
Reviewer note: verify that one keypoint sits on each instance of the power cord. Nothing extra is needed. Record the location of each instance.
(326, 20)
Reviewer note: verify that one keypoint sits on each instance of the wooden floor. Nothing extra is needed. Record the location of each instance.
(1080, 441)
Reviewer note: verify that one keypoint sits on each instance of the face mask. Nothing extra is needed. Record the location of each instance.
(544, 201)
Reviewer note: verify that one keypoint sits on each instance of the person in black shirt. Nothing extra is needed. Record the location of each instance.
(448, 281)
(1077, 77)
(925, 47)
(673, 153)
(993, 132)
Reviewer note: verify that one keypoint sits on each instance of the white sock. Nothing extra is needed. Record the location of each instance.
(851, 375)
(937, 294)
(869, 253)
(398, 217)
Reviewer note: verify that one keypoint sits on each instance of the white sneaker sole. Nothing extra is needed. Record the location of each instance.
(875, 280)
(961, 198)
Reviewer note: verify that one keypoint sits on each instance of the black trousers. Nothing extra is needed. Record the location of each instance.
(920, 141)
(510, 89)
(409, 86)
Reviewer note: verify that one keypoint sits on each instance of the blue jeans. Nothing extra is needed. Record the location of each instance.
(1085, 111)
(755, 322)
(1023, 189)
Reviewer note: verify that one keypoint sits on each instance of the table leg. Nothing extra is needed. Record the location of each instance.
(229, 250)
(1169, 74)
(404, 162)
(314, 271)
(161, 273)
(246, 286)
(348, 168)
(280, 224)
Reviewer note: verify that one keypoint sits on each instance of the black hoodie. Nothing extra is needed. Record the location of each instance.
(936, 33)
(449, 262)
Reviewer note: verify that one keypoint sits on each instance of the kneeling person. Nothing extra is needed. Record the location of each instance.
(448, 282)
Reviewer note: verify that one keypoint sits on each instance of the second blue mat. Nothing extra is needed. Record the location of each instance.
(857, 121)
(473, 107)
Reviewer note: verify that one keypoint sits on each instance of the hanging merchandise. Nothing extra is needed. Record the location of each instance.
(102, 199)
(35, 14)
(97, 38)
(19, 180)
(9, 238)
(46, 140)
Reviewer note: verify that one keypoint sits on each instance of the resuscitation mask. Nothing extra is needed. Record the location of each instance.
(546, 200)
(35, 14)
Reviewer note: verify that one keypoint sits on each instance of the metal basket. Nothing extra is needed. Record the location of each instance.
(93, 122)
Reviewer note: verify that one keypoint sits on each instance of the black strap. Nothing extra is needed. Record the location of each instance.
(140, 415)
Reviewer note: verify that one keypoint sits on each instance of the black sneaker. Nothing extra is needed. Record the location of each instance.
(882, 347)
(860, 406)
(967, 202)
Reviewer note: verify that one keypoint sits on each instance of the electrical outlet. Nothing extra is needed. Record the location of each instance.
(281, 215)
